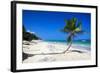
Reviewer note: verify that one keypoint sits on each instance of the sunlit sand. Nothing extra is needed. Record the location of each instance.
(42, 51)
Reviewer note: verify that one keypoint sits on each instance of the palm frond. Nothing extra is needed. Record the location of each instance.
(72, 27)
(77, 30)
(68, 25)
(73, 23)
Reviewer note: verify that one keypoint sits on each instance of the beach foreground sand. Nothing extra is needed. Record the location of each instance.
(42, 51)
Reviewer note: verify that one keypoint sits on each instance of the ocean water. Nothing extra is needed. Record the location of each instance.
(83, 44)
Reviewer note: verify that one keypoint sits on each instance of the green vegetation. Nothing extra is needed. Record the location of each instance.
(29, 36)
(73, 28)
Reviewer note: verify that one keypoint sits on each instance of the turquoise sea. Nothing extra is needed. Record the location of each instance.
(83, 44)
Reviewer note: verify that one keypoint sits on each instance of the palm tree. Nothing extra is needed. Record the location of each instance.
(73, 28)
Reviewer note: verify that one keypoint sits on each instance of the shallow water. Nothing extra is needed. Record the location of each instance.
(83, 44)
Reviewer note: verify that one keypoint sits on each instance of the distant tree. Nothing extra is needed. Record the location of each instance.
(24, 30)
(29, 36)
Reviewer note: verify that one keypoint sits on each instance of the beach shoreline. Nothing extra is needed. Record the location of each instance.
(46, 52)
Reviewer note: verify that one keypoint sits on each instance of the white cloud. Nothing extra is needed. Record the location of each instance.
(30, 31)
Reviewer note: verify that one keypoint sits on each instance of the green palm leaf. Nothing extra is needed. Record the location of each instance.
(77, 29)
(73, 22)
(68, 25)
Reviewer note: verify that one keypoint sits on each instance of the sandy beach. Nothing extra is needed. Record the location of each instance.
(42, 51)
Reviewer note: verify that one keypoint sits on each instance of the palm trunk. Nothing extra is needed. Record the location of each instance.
(68, 47)
(69, 44)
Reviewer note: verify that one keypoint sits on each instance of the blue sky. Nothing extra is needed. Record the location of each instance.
(47, 24)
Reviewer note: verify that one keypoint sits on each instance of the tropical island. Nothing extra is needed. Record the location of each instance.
(35, 49)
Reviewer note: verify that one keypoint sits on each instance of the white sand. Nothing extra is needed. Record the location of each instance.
(40, 47)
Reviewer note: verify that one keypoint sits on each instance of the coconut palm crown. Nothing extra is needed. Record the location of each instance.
(72, 27)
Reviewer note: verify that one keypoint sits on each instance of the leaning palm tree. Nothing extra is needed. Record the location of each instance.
(73, 28)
